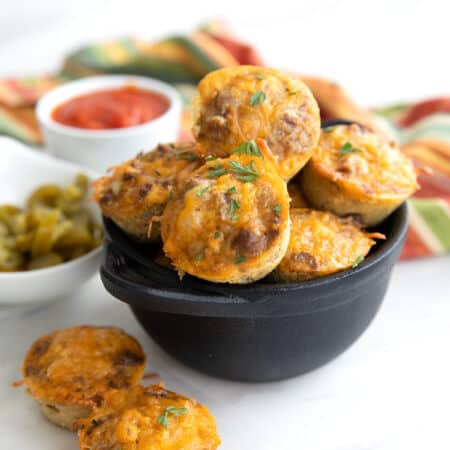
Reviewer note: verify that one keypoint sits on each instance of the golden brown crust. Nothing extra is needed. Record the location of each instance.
(137, 191)
(243, 103)
(64, 415)
(75, 366)
(226, 225)
(354, 171)
(321, 244)
(148, 419)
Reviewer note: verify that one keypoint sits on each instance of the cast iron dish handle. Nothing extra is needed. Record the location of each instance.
(134, 281)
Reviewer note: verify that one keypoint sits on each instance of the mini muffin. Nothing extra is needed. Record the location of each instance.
(321, 244)
(136, 192)
(296, 195)
(243, 103)
(354, 171)
(69, 370)
(230, 222)
(150, 418)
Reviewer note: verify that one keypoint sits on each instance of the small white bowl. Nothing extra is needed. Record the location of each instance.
(21, 171)
(101, 149)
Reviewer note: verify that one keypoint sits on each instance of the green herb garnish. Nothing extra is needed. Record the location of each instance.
(234, 217)
(257, 98)
(277, 209)
(293, 92)
(210, 158)
(240, 259)
(170, 196)
(234, 205)
(348, 148)
(200, 192)
(198, 257)
(260, 76)
(158, 173)
(231, 190)
(250, 148)
(216, 171)
(217, 234)
(247, 173)
(163, 419)
(189, 156)
(357, 262)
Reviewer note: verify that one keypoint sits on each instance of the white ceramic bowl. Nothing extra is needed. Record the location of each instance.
(21, 171)
(101, 149)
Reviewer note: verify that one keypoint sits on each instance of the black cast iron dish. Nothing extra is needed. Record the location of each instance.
(264, 331)
(258, 332)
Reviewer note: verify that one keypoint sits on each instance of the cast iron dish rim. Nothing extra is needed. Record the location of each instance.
(232, 297)
(371, 259)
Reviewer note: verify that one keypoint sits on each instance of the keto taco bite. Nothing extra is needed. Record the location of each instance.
(150, 418)
(356, 172)
(321, 244)
(135, 193)
(69, 370)
(242, 103)
(230, 222)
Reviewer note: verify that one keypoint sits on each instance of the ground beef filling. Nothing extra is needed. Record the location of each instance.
(248, 243)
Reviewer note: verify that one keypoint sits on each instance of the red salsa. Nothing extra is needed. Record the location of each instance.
(123, 107)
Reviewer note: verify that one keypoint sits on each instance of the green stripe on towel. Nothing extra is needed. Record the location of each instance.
(436, 215)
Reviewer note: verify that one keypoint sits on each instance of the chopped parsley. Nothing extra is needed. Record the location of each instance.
(348, 148)
(277, 209)
(200, 192)
(250, 148)
(217, 171)
(234, 205)
(216, 234)
(293, 92)
(234, 217)
(240, 259)
(358, 261)
(257, 98)
(231, 190)
(246, 173)
(210, 158)
(158, 173)
(163, 419)
(189, 156)
(170, 196)
(198, 257)
(260, 76)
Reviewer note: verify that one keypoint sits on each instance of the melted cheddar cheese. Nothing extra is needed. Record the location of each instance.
(230, 222)
(321, 244)
(150, 418)
(77, 365)
(137, 191)
(355, 171)
(242, 103)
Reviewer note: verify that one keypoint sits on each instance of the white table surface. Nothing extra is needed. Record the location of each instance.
(390, 391)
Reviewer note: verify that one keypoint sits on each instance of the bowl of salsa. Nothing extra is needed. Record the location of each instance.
(103, 120)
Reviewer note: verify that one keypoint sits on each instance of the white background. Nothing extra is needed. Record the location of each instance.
(390, 391)
(383, 51)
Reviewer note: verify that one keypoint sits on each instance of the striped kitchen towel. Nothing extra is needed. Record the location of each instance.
(422, 129)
